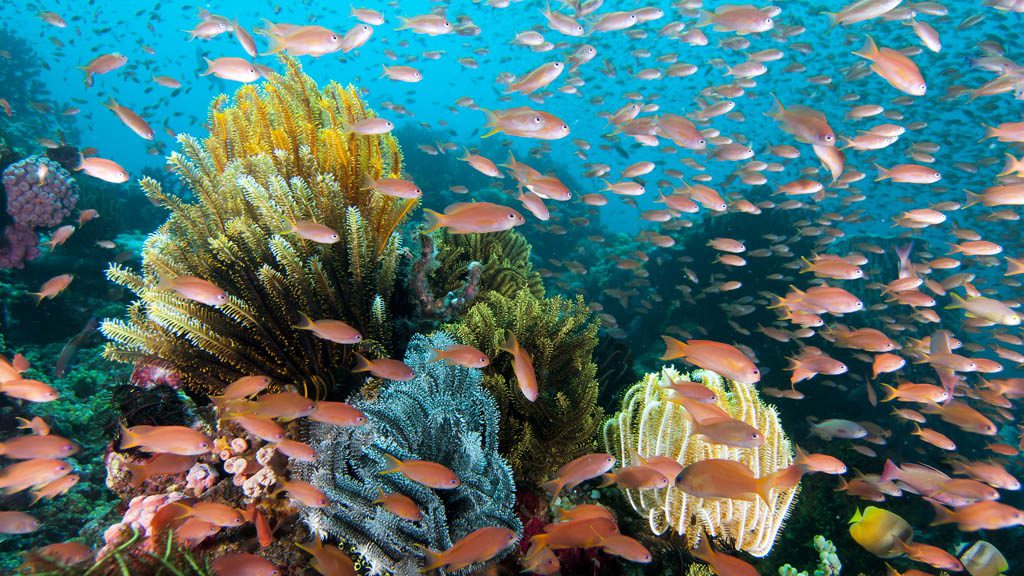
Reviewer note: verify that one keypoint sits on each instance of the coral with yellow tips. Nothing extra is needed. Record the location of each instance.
(277, 153)
(649, 425)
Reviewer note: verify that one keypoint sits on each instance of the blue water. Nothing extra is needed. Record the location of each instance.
(952, 123)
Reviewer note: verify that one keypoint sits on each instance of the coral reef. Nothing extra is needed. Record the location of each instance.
(443, 415)
(40, 194)
(278, 154)
(649, 425)
(560, 335)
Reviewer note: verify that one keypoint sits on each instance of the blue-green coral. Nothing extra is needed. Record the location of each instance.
(443, 415)
(828, 561)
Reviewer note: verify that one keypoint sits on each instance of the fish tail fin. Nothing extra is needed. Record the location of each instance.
(857, 515)
(511, 344)
(491, 124)
(763, 487)
(890, 393)
(396, 465)
(704, 18)
(305, 322)
(833, 19)
(1011, 165)
(435, 220)
(703, 550)
(673, 348)
(136, 475)
(810, 265)
(776, 108)
(554, 487)
(842, 486)
(869, 50)
(406, 23)
(362, 364)
(209, 66)
(973, 198)
(958, 301)
(889, 471)
(990, 132)
(606, 480)
(943, 515)
(436, 354)
(39, 296)
(883, 173)
(276, 43)
(129, 439)
(432, 561)
(110, 103)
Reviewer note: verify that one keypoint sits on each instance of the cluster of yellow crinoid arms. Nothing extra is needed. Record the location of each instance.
(278, 153)
(649, 424)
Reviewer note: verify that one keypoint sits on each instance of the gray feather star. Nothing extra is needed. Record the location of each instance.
(442, 415)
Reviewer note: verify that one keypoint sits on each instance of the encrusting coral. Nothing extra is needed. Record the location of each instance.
(560, 335)
(650, 425)
(443, 415)
(277, 154)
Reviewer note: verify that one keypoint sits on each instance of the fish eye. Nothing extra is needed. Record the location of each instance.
(512, 215)
(358, 337)
(701, 142)
(334, 37)
(565, 126)
(828, 137)
(538, 120)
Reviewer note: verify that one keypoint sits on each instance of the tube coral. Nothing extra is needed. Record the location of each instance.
(276, 155)
(443, 415)
(650, 425)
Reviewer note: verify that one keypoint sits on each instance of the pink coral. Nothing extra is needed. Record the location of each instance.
(146, 375)
(139, 516)
(200, 479)
(40, 193)
(18, 245)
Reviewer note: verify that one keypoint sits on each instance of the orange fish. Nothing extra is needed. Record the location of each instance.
(461, 355)
(430, 474)
(328, 560)
(14, 522)
(180, 440)
(474, 218)
(29, 390)
(130, 119)
(578, 471)
(717, 478)
(400, 505)
(52, 287)
(337, 414)
(478, 546)
(27, 473)
(240, 564)
(721, 358)
(29, 447)
(522, 365)
(332, 330)
(722, 564)
(384, 368)
(898, 70)
(987, 515)
(192, 288)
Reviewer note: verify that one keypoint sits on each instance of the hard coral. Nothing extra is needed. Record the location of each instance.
(40, 193)
(277, 153)
(443, 416)
(538, 437)
(650, 425)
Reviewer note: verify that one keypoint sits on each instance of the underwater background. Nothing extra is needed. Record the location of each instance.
(168, 234)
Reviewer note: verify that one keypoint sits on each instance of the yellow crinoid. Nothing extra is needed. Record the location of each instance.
(278, 153)
(648, 424)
